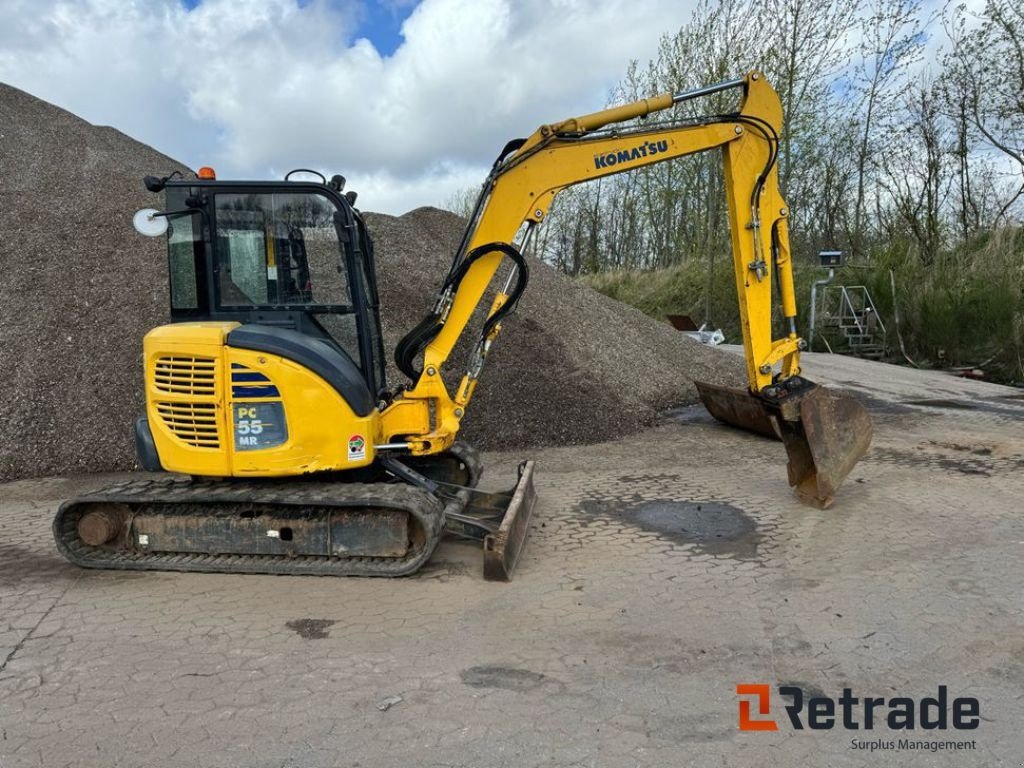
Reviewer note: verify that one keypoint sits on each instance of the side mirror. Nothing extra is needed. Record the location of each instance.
(150, 222)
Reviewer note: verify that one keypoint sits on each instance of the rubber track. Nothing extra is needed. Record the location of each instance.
(150, 495)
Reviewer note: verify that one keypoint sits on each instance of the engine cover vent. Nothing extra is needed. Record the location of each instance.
(186, 375)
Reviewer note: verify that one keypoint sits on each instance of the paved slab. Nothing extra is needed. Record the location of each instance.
(662, 570)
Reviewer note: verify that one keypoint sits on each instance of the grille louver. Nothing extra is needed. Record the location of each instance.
(186, 375)
(193, 423)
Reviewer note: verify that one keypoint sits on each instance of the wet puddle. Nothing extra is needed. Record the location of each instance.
(713, 527)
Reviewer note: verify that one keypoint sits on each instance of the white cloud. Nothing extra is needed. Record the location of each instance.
(258, 87)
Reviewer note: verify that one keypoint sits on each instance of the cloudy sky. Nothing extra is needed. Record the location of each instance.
(409, 99)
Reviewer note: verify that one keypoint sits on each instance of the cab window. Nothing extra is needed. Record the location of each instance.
(278, 250)
(184, 251)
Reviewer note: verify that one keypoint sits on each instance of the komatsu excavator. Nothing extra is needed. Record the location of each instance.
(266, 402)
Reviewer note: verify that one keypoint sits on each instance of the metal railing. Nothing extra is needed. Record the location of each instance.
(855, 304)
(849, 308)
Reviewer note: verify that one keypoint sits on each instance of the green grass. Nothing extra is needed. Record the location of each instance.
(967, 309)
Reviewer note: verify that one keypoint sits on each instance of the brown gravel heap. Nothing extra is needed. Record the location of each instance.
(81, 288)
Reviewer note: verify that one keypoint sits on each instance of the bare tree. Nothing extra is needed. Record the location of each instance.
(915, 171)
(462, 201)
(987, 66)
(892, 41)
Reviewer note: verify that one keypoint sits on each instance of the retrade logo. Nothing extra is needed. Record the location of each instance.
(762, 696)
(852, 713)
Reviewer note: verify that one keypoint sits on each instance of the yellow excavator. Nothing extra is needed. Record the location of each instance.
(284, 449)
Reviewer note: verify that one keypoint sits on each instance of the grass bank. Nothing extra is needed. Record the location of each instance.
(965, 309)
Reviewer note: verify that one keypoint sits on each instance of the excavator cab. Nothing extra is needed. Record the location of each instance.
(285, 255)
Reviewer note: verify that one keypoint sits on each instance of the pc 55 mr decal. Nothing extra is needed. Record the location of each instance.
(259, 425)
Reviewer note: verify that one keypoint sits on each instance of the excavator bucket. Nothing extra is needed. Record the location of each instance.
(736, 407)
(825, 435)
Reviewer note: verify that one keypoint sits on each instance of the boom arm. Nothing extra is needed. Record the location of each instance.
(522, 186)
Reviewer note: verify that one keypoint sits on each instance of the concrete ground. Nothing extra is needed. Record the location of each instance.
(662, 570)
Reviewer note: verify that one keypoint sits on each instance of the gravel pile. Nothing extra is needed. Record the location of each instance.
(81, 288)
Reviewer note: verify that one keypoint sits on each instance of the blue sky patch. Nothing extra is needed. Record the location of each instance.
(381, 23)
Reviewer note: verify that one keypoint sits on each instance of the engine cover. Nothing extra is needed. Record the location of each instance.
(218, 410)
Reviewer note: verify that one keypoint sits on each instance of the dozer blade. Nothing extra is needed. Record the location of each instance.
(503, 547)
(501, 521)
(825, 435)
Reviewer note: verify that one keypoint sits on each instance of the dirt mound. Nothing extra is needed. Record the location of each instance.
(81, 288)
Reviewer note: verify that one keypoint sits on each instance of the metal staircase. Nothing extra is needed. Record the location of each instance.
(851, 311)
